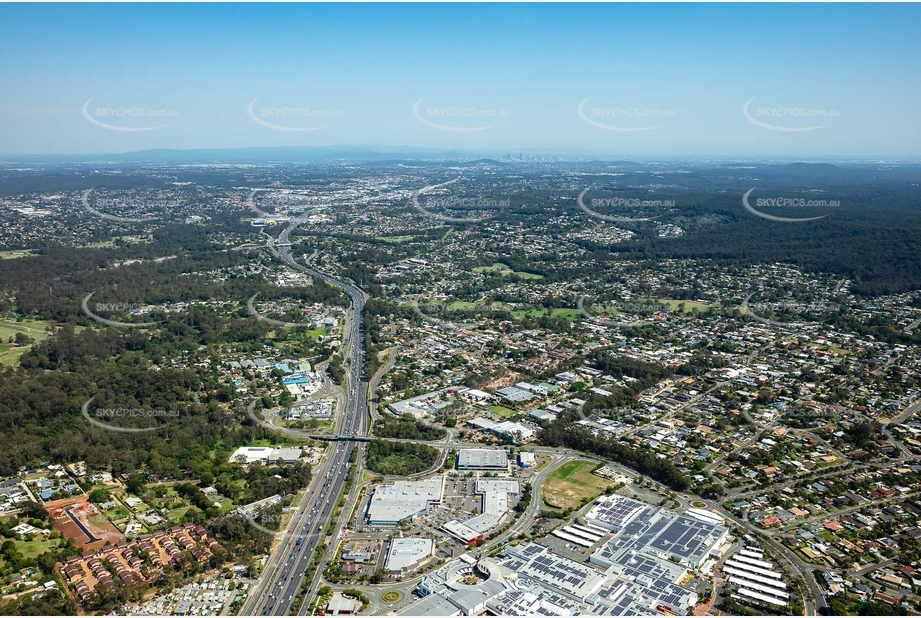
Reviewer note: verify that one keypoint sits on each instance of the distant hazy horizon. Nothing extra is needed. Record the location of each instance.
(717, 81)
(371, 152)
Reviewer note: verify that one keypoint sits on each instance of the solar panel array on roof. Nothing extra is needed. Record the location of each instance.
(534, 601)
(615, 512)
(549, 569)
(657, 531)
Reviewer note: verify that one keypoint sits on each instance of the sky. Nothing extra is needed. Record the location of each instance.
(685, 80)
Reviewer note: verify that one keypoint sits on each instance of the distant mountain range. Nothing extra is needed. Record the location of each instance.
(259, 154)
(262, 155)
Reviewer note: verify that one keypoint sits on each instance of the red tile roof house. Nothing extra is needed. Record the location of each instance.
(767, 522)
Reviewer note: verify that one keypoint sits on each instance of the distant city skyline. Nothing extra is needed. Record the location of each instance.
(721, 81)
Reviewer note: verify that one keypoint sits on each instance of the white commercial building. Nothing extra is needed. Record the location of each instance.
(404, 500)
(406, 554)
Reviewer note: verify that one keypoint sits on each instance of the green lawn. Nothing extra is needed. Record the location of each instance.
(689, 305)
(10, 354)
(37, 546)
(828, 347)
(394, 240)
(505, 269)
(502, 411)
(572, 483)
(32, 328)
(104, 244)
(615, 309)
(175, 515)
(567, 314)
(110, 244)
(18, 253)
(312, 333)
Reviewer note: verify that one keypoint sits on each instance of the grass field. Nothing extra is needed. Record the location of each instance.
(110, 244)
(394, 240)
(18, 253)
(689, 305)
(313, 333)
(37, 546)
(504, 269)
(572, 483)
(104, 244)
(567, 314)
(9, 354)
(32, 328)
(828, 348)
(502, 411)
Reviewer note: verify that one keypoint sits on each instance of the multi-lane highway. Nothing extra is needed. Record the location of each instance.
(289, 564)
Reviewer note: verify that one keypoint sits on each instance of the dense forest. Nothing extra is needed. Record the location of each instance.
(407, 429)
(399, 458)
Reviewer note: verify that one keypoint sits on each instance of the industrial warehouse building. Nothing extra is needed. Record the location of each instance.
(404, 500)
(265, 455)
(507, 430)
(482, 459)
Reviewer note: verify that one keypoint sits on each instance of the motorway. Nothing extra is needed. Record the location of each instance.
(279, 587)
(281, 581)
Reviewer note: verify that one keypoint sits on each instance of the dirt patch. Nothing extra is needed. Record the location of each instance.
(79, 520)
(509, 379)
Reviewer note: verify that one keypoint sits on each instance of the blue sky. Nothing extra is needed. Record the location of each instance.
(829, 80)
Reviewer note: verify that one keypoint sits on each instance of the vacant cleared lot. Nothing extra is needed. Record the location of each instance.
(573, 484)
